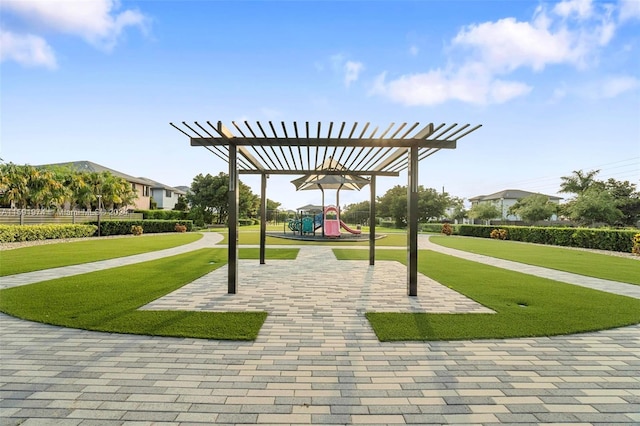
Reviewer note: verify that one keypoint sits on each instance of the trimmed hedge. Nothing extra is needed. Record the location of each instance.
(600, 239)
(163, 214)
(17, 233)
(123, 227)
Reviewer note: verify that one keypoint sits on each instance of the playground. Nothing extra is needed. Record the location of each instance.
(317, 223)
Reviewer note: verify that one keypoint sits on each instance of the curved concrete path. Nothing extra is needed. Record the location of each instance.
(316, 361)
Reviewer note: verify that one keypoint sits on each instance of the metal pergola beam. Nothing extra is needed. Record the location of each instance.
(365, 155)
(316, 171)
(328, 142)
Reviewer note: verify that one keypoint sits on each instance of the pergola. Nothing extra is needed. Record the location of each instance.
(292, 149)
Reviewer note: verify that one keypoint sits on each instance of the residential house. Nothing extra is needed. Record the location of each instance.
(163, 195)
(503, 200)
(140, 185)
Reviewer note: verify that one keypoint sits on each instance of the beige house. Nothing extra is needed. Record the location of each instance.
(141, 186)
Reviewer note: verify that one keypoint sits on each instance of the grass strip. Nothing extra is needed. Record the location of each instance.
(37, 258)
(108, 300)
(250, 237)
(563, 259)
(525, 305)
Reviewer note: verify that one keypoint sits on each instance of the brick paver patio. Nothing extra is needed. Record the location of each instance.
(316, 361)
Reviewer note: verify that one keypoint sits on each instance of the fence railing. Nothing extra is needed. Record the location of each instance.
(45, 216)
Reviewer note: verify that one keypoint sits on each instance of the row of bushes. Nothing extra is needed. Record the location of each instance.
(163, 214)
(124, 227)
(18, 233)
(601, 239)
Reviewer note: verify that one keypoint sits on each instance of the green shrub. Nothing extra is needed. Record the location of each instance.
(435, 228)
(123, 227)
(16, 233)
(162, 214)
(600, 239)
(245, 222)
(387, 224)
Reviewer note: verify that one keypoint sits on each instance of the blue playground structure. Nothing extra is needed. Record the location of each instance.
(329, 220)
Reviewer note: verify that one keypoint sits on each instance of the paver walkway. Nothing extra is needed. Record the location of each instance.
(316, 361)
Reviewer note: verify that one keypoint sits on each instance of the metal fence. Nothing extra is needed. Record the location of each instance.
(44, 216)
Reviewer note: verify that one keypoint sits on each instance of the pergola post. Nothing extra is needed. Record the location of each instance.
(412, 223)
(372, 222)
(263, 217)
(232, 283)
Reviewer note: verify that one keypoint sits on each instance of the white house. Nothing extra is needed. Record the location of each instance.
(165, 196)
(503, 200)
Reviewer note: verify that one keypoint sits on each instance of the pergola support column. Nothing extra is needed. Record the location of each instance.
(412, 223)
(263, 217)
(372, 222)
(232, 283)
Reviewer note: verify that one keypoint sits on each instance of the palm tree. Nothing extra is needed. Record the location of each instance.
(14, 184)
(579, 182)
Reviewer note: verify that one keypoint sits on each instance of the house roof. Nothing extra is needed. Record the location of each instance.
(90, 166)
(510, 194)
(157, 185)
(310, 208)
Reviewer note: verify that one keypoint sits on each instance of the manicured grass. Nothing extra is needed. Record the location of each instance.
(563, 259)
(252, 237)
(48, 256)
(108, 300)
(525, 305)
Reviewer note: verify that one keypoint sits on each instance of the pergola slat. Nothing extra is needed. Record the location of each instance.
(365, 156)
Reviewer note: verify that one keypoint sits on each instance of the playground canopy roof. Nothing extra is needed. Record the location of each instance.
(323, 181)
(299, 149)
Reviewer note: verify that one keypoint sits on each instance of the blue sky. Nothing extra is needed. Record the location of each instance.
(556, 85)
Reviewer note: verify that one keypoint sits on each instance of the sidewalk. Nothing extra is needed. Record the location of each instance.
(315, 361)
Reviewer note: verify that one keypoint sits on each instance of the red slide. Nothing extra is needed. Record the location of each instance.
(346, 228)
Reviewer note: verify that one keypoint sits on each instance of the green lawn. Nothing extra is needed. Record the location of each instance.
(525, 305)
(48, 256)
(563, 259)
(108, 300)
(252, 237)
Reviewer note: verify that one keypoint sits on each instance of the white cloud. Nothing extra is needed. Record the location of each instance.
(28, 50)
(349, 70)
(615, 86)
(629, 9)
(98, 22)
(580, 8)
(438, 86)
(352, 72)
(482, 55)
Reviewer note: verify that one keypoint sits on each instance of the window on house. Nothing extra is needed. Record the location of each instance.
(167, 194)
(133, 186)
(145, 191)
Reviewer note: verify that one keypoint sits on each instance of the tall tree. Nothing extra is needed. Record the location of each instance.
(431, 204)
(579, 182)
(593, 206)
(456, 210)
(209, 195)
(484, 211)
(14, 184)
(534, 208)
(356, 212)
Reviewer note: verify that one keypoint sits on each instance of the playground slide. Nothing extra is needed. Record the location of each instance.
(331, 228)
(346, 228)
